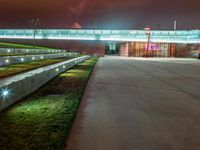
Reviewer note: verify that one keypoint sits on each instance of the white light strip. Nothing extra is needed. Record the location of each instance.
(182, 36)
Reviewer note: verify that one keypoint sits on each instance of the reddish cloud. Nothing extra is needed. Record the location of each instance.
(123, 14)
(76, 25)
(78, 8)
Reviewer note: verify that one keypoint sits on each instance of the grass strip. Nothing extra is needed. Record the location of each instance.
(43, 120)
(20, 68)
(13, 45)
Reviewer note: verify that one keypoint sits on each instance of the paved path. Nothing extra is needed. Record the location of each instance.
(139, 104)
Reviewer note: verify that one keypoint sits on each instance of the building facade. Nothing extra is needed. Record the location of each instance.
(139, 49)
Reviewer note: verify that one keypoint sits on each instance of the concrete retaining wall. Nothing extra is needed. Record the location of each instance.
(10, 60)
(28, 51)
(15, 88)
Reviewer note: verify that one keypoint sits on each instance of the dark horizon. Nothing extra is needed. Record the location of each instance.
(110, 14)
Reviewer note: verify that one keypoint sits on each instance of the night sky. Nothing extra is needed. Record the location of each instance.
(110, 14)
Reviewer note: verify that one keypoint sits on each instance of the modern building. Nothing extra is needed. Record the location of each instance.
(130, 43)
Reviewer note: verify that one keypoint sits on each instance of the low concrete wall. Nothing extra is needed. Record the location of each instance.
(28, 51)
(10, 60)
(15, 88)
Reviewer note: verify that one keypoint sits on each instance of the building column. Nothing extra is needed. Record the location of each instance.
(172, 50)
(124, 49)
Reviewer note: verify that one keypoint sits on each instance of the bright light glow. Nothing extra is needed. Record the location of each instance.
(8, 51)
(27, 51)
(147, 28)
(7, 61)
(22, 59)
(57, 69)
(64, 67)
(148, 32)
(5, 93)
(33, 58)
(41, 57)
(178, 36)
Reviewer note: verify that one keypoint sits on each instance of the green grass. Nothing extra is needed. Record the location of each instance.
(13, 45)
(43, 120)
(19, 68)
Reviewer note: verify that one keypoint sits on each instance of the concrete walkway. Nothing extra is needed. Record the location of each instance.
(140, 104)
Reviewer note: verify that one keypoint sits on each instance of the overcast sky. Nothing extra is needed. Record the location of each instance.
(113, 14)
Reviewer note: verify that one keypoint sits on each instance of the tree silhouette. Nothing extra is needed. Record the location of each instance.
(34, 23)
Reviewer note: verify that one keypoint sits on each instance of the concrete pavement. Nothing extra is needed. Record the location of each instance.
(140, 104)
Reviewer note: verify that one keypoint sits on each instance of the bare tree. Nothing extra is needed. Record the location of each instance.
(34, 23)
(158, 26)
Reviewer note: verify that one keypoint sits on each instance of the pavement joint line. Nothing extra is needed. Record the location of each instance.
(166, 82)
(171, 71)
(143, 87)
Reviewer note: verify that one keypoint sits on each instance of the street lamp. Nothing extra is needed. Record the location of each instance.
(149, 36)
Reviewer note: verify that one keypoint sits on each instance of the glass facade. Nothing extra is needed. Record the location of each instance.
(139, 49)
(160, 36)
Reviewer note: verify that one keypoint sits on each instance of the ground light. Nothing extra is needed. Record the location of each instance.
(5, 93)
(7, 61)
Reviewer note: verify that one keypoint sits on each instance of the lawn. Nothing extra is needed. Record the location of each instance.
(43, 120)
(13, 45)
(19, 68)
